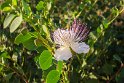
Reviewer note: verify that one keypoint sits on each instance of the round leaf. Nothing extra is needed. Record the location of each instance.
(45, 60)
(53, 77)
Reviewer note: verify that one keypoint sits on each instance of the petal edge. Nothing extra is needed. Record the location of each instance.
(80, 47)
(63, 53)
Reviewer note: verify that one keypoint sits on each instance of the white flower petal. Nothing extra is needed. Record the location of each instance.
(80, 47)
(58, 37)
(63, 53)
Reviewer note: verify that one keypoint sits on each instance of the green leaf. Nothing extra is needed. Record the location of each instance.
(105, 23)
(40, 49)
(34, 34)
(6, 5)
(6, 9)
(15, 23)
(116, 57)
(53, 77)
(107, 68)
(92, 76)
(98, 30)
(45, 72)
(26, 8)
(60, 66)
(49, 6)
(22, 38)
(84, 63)
(29, 44)
(120, 77)
(45, 59)
(1, 68)
(8, 76)
(122, 72)
(7, 20)
(40, 5)
(115, 10)
(4, 55)
(45, 29)
(38, 42)
(93, 35)
(14, 2)
(20, 70)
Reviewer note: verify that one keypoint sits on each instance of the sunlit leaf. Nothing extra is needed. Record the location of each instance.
(98, 30)
(6, 6)
(93, 35)
(53, 77)
(84, 63)
(14, 57)
(22, 38)
(14, 2)
(105, 23)
(40, 5)
(92, 76)
(4, 55)
(45, 59)
(6, 9)
(15, 23)
(8, 19)
(60, 66)
(115, 10)
(45, 29)
(45, 72)
(49, 5)
(26, 8)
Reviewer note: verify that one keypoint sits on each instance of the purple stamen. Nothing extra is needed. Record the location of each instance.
(80, 29)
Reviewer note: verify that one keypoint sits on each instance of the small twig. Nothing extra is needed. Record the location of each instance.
(23, 78)
(116, 16)
(112, 77)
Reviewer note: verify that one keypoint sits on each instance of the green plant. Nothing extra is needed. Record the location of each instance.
(26, 47)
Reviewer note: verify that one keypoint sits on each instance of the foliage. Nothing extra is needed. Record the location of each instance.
(26, 46)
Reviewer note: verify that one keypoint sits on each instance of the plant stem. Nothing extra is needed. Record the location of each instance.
(116, 16)
(44, 41)
(23, 78)
(112, 77)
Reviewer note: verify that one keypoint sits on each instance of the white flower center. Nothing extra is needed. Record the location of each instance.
(64, 37)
